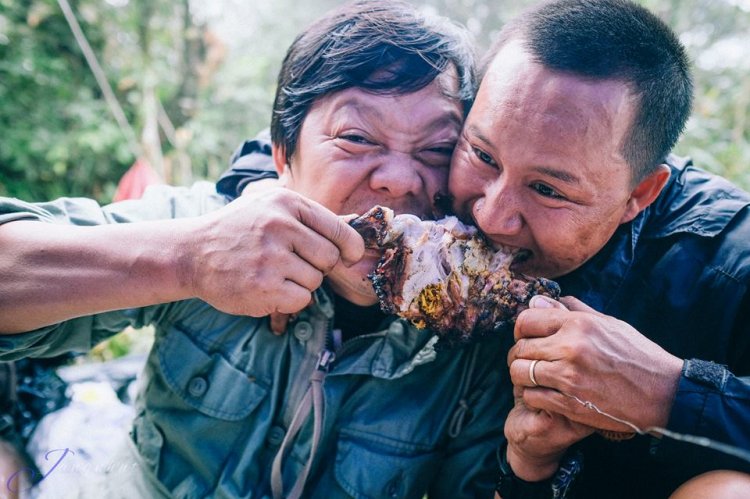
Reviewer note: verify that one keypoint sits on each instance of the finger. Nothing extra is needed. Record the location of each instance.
(540, 301)
(316, 250)
(548, 349)
(555, 402)
(521, 371)
(292, 297)
(304, 274)
(328, 225)
(539, 322)
(532, 396)
(279, 322)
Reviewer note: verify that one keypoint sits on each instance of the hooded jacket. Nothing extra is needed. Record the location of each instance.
(678, 273)
(220, 394)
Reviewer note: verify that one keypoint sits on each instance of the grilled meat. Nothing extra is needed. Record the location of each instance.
(443, 275)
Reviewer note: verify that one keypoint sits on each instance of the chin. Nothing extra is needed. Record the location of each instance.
(533, 268)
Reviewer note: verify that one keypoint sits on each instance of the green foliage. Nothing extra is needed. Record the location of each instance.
(129, 341)
(213, 67)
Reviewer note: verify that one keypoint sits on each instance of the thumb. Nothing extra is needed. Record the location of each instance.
(540, 301)
(348, 218)
(279, 322)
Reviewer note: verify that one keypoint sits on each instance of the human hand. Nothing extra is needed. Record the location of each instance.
(266, 252)
(278, 320)
(595, 358)
(537, 439)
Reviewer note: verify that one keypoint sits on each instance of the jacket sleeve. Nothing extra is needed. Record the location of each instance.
(713, 401)
(252, 161)
(81, 334)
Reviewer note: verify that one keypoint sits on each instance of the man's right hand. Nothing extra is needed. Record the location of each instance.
(537, 439)
(266, 252)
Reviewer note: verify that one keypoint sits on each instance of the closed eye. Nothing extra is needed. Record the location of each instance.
(484, 157)
(446, 151)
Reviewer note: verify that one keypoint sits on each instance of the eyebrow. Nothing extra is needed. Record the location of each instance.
(369, 112)
(450, 118)
(558, 174)
(474, 130)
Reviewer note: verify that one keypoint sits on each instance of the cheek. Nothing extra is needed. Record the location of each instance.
(462, 183)
(332, 184)
(569, 241)
(435, 180)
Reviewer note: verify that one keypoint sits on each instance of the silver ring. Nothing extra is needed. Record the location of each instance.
(531, 372)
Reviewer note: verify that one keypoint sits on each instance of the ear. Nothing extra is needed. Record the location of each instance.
(279, 158)
(646, 193)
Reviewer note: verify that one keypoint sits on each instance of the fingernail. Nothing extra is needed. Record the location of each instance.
(541, 302)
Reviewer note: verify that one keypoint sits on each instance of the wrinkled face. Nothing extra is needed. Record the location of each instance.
(357, 149)
(538, 165)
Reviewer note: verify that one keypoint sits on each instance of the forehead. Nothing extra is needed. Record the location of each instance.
(563, 108)
(417, 112)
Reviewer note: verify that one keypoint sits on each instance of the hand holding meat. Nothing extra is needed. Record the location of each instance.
(537, 439)
(443, 275)
(267, 253)
(595, 358)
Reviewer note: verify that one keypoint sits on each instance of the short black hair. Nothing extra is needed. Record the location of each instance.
(615, 39)
(382, 46)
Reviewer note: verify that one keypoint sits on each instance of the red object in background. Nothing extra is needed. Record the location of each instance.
(133, 184)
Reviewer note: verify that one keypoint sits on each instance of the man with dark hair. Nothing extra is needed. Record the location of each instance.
(349, 403)
(565, 154)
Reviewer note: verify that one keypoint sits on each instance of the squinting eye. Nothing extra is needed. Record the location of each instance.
(446, 151)
(484, 157)
(546, 191)
(357, 139)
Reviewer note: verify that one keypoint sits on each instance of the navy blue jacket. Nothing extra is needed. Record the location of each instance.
(679, 274)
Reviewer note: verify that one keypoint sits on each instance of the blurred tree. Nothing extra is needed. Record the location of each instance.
(59, 137)
(196, 77)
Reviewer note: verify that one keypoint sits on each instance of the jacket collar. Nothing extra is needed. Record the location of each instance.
(693, 202)
(390, 353)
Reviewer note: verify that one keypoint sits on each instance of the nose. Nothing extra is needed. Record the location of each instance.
(498, 212)
(398, 175)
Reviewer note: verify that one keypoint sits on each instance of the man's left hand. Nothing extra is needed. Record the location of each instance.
(595, 358)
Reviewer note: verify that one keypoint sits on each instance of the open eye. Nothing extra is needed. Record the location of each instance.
(483, 156)
(546, 191)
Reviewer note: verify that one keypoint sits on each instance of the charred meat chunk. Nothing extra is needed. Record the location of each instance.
(444, 275)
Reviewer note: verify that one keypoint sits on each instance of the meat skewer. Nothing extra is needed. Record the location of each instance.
(444, 275)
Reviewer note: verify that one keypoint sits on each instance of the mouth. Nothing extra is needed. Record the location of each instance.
(520, 257)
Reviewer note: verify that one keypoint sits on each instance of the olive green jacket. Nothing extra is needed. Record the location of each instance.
(219, 392)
